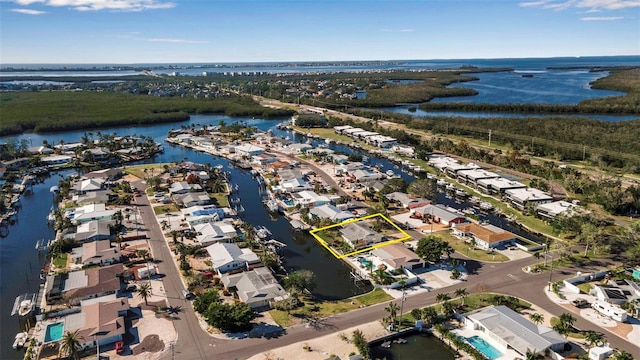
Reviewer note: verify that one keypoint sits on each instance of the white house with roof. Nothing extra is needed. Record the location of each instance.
(88, 185)
(300, 148)
(226, 257)
(439, 213)
(89, 212)
(193, 199)
(93, 230)
(309, 199)
(213, 232)
(521, 198)
(99, 322)
(555, 208)
(505, 329)
(472, 176)
(328, 211)
(498, 186)
(486, 236)
(183, 187)
(340, 129)
(257, 287)
(248, 150)
(294, 185)
(406, 200)
(56, 160)
(364, 175)
(381, 141)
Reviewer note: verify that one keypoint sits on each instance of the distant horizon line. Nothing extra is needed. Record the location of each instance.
(3, 65)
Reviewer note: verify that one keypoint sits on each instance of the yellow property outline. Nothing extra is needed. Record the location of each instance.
(324, 243)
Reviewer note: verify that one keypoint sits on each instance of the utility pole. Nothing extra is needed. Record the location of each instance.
(489, 137)
(404, 298)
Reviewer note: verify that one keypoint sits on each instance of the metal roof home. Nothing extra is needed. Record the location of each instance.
(359, 234)
(407, 201)
(226, 257)
(440, 213)
(210, 233)
(520, 198)
(511, 330)
(553, 209)
(486, 236)
(93, 230)
(498, 185)
(328, 211)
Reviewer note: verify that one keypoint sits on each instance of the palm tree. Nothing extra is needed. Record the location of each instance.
(144, 291)
(442, 297)
(621, 355)
(462, 294)
(530, 355)
(448, 308)
(392, 309)
(429, 314)
(593, 338)
(537, 255)
(567, 319)
(70, 345)
(536, 318)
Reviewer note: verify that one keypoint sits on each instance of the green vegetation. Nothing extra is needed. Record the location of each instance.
(432, 248)
(321, 309)
(141, 171)
(220, 199)
(60, 261)
(163, 209)
(64, 111)
(468, 250)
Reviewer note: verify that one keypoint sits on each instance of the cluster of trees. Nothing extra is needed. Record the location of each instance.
(63, 111)
(432, 248)
(227, 317)
(311, 121)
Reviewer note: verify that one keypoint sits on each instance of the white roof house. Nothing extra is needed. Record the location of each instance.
(90, 212)
(295, 185)
(96, 252)
(209, 233)
(498, 185)
(93, 230)
(506, 328)
(227, 257)
(300, 148)
(520, 198)
(381, 141)
(54, 160)
(340, 129)
(89, 185)
(397, 256)
(360, 235)
(366, 175)
(248, 150)
(473, 175)
(309, 198)
(553, 209)
(328, 211)
(182, 187)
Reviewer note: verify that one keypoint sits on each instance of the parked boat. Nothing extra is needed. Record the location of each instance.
(486, 206)
(272, 205)
(20, 341)
(390, 173)
(461, 193)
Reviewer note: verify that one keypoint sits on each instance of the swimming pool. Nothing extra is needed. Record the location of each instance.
(54, 332)
(365, 262)
(484, 347)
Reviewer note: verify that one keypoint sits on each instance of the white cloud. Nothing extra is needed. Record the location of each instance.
(602, 18)
(400, 30)
(96, 5)
(28, 11)
(591, 5)
(178, 41)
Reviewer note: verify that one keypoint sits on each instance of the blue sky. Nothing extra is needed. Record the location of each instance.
(171, 31)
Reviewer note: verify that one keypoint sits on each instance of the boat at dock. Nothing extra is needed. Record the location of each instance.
(486, 206)
(24, 304)
(273, 206)
(20, 341)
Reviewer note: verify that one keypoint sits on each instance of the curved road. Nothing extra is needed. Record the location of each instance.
(194, 343)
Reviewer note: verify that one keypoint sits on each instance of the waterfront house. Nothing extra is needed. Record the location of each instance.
(555, 208)
(40, 150)
(248, 150)
(210, 233)
(263, 159)
(617, 291)
(288, 174)
(226, 257)
(360, 235)
(398, 256)
(95, 253)
(294, 185)
(403, 150)
(348, 168)
(351, 130)
(83, 284)
(342, 128)
(406, 200)
(498, 186)
(309, 199)
(200, 210)
(183, 187)
(257, 287)
(328, 211)
(86, 213)
(439, 213)
(340, 159)
(375, 185)
(100, 322)
(472, 176)
(89, 185)
(381, 141)
(364, 175)
(56, 160)
(93, 230)
(192, 199)
(105, 174)
(300, 148)
(505, 328)
(93, 197)
(522, 198)
(486, 236)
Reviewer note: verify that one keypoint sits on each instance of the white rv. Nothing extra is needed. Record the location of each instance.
(610, 310)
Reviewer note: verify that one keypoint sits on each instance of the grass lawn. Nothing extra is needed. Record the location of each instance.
(585, 287)
(331, 134)
(573, 334)
(464, 249)
(328, 308)
(220, 199)
(162, 209)
(138, 170)
(60, 261)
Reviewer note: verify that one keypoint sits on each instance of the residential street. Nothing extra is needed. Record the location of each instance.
(194, 343)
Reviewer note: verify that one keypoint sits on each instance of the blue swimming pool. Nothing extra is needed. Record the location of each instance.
(365, 262)
(54, 332)
(484, 347)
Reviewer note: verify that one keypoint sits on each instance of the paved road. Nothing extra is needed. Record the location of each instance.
(193, 343)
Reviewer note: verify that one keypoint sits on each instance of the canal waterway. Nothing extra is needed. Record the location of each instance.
(419, 345)
(20, 263)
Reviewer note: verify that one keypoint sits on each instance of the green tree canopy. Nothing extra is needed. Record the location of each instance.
(431, 248)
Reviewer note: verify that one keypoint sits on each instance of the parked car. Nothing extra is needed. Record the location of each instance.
(580, 303)
(131, 288)
(187, 294)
